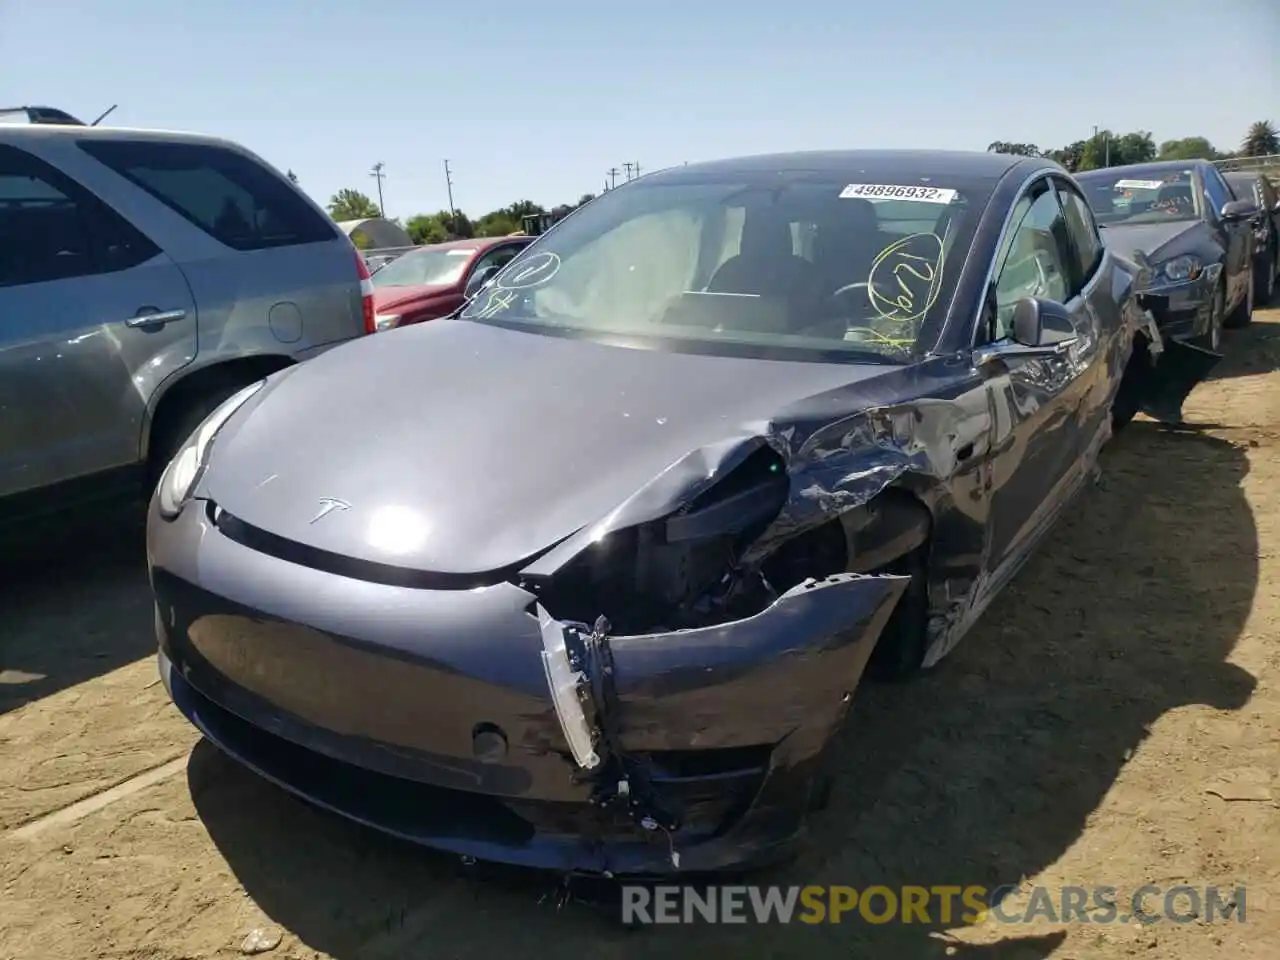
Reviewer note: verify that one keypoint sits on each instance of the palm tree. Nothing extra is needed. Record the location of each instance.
(1261, 140)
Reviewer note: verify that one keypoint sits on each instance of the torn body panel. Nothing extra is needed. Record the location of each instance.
(371, 704)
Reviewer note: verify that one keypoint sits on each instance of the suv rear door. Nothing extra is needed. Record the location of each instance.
(77, 365)
(270, 271)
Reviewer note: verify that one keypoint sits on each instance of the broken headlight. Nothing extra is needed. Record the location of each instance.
(677, 571)
(1181, 268)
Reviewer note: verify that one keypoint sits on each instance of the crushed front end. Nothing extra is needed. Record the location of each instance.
(476, 722)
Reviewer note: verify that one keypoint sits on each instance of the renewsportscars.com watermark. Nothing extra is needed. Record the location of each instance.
(946, 905)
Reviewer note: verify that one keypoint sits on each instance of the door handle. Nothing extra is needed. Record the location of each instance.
(151, 317)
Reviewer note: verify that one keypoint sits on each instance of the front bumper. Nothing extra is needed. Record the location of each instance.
(1183, 310)
(370, 700)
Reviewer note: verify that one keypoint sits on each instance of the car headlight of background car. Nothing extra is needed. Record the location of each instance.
(386, 321)
(185, 469)
(1181, 268)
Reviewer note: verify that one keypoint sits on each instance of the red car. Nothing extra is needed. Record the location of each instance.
(433, 281)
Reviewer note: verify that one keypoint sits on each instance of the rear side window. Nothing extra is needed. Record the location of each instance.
(229, 196)
(51, 228)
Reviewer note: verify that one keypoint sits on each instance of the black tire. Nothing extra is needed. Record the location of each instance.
(174, 431)
(1218, 318)
(1133, 385)
(1242, 315)
(900, 651)
(1264, 278)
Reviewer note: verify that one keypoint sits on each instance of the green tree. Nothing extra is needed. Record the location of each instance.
(1188, 148)
(427, 228)
(348, 204)
(1105, 149)
(1069, 156)
(1261, 140)
(1017, 149)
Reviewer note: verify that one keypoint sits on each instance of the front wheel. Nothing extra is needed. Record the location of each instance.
(1242, 315)
(900, 650)
(1264, 278)
(1211, 339)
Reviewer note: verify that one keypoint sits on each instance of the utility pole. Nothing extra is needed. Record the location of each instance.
(448, 185)
(378, 174)
(636, 164)
(627, 167)
(1106, 146)
(613, 177)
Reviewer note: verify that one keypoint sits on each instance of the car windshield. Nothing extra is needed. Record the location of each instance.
(756, 265)
(424, 267)
(1137, 196)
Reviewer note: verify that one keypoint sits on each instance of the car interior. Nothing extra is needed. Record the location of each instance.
(803, 269)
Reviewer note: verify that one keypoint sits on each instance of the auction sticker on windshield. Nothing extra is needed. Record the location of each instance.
(889, 191)
(1138, 184)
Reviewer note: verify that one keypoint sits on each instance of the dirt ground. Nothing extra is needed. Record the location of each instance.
(1077, 736)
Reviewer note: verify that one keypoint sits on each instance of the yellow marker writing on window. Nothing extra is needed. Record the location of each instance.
(905, 277)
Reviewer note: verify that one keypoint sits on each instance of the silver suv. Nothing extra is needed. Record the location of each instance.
(144, 278)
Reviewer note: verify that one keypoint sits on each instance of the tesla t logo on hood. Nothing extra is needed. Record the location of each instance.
(328, 505)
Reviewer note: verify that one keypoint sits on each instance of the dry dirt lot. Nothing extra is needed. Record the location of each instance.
(1074, 738)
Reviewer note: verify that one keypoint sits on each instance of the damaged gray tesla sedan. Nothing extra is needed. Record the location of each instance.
(584, 576)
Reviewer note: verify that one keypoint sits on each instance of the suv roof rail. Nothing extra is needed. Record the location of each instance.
(36, 114)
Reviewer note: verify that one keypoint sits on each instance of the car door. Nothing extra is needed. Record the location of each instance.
(1036, 402)
(1103, 288)
(92, 316)
(1236, 238)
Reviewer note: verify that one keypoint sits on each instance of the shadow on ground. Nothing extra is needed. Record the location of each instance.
(981, 772)
(75, 603)
(1254, 350)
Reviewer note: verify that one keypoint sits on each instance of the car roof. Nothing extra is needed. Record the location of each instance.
(51, 131)
(871, 166)
(1154, 166)
(478, 244)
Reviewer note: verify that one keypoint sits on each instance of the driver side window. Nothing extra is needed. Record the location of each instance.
(1034, 256)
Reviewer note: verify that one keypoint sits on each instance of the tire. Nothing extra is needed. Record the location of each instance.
(173, 433)
(1242, 315)
(1212, 339)
(1129, 394)
(1264, 278)
(900, 651)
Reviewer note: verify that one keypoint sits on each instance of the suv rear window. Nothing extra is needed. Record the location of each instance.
(229, 196)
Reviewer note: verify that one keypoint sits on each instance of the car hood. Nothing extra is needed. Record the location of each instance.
(460, 447)
(388, 298)
(1154, 240)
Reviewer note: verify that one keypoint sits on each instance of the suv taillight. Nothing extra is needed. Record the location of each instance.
(366, 294)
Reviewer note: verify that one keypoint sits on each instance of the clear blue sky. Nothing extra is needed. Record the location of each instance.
(538, 99)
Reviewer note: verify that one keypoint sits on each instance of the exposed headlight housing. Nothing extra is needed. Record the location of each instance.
(187, 466)
(1181, 268)
(385, 321)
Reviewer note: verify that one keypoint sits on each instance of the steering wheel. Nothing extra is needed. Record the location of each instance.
(874, 291)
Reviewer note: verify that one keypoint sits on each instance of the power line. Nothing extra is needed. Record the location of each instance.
(377, 172)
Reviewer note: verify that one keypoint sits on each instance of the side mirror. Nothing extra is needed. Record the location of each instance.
(1041, 329)
(1238, 210)
(478, 281)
